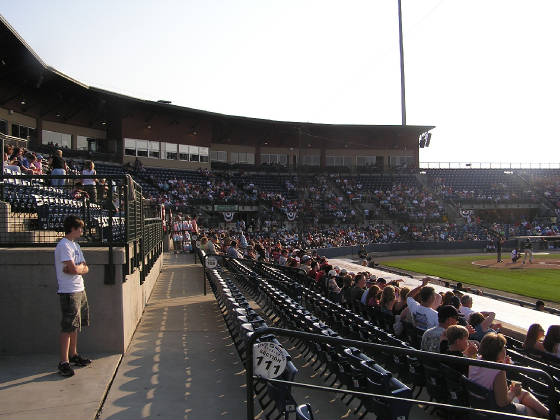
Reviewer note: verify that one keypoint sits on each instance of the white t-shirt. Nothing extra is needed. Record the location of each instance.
(422, 317)
(466, 312)
(67, 250)
(88, 181)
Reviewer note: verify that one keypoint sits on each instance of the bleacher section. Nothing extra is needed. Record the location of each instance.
(37, 206)
(287, 299)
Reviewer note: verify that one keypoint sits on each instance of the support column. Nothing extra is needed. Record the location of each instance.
(323, 159)
(74, 142)
(258, 154)
(38, 140)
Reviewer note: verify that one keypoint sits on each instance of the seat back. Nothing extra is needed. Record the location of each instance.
(304, 412)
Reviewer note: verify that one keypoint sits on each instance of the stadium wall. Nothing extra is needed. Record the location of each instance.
(30, 309)
(417, 248)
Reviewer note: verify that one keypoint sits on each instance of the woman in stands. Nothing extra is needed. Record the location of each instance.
(372, 296)
(58, 166)
(534, 338)
(552, 340)
(400, 304)
(388, 299)
(512, 398)
(89, 183)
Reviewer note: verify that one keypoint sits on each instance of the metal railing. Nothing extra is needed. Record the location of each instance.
(370, 349)
(33, 209)
(489, 165)
(422, 355)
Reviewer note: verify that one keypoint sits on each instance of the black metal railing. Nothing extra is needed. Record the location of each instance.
(422, 355)
(33, 209)
(468, 408)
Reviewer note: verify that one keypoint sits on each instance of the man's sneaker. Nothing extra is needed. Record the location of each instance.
(64, 369)
(78, 360)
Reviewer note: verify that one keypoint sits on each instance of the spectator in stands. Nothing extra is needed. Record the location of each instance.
(358, 288)
(534, 338)
(70, 267)
(435, 336)
(332, 286)
(493, 349)
(314, 270)
(466, 305)
(283, 258)
(458, 344)
(539, 306)
(58, 166)
(456, 302)
(551, 341)
(400, 304)
(232, 250)
(371, 296)
(482, 324)
(210, 246)
(89, 183)
(388, 299)
(423, 315)
(347, 283)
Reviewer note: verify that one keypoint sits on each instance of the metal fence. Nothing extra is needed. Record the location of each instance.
(33, 209)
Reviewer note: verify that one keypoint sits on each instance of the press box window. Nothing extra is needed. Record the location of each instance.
(183, 152)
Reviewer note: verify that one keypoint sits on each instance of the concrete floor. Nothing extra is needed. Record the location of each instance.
(31, 388)
(181, 362)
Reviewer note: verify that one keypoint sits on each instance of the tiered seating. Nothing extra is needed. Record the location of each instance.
(349, 366)
(242, 320)
(48, 206)
(485, 185)
(442, 383)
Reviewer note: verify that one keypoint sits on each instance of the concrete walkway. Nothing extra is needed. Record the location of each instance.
(181, 362)
(31, 388)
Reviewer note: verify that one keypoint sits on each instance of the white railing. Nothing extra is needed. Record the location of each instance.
(489, 165)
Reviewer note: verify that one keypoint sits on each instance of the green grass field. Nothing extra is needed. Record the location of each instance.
(537, 283)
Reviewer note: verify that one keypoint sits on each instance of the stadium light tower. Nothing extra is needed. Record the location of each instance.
(403, 102)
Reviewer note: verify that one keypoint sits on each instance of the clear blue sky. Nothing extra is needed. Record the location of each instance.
(485, 72)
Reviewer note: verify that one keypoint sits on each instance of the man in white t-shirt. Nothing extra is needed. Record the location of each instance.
(70, 266)
(423, 315)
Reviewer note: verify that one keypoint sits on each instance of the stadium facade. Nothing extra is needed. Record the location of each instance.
(46, 107)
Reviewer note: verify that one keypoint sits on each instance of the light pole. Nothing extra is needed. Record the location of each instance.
(403, 101)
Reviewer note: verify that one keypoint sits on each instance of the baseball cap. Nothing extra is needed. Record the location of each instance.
(305, 258)
(381, 280)
(343, 271)
(332, 273)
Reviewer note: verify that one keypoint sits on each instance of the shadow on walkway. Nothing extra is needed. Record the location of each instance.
(181, 362)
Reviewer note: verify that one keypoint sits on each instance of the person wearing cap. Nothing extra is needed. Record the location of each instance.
(433, 337)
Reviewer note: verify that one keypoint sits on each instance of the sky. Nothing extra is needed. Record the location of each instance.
(484, 72)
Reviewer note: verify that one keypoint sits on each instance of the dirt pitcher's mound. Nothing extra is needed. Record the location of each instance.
(508, 265)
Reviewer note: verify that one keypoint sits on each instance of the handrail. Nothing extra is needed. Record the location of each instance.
(398, 350)
(489, 165)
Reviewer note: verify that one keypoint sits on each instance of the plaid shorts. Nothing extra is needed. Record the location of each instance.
(75, 311)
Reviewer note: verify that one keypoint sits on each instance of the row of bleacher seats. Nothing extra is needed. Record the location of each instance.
(53, 204)
(442, 382)
(349, 366)
(242, 320)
